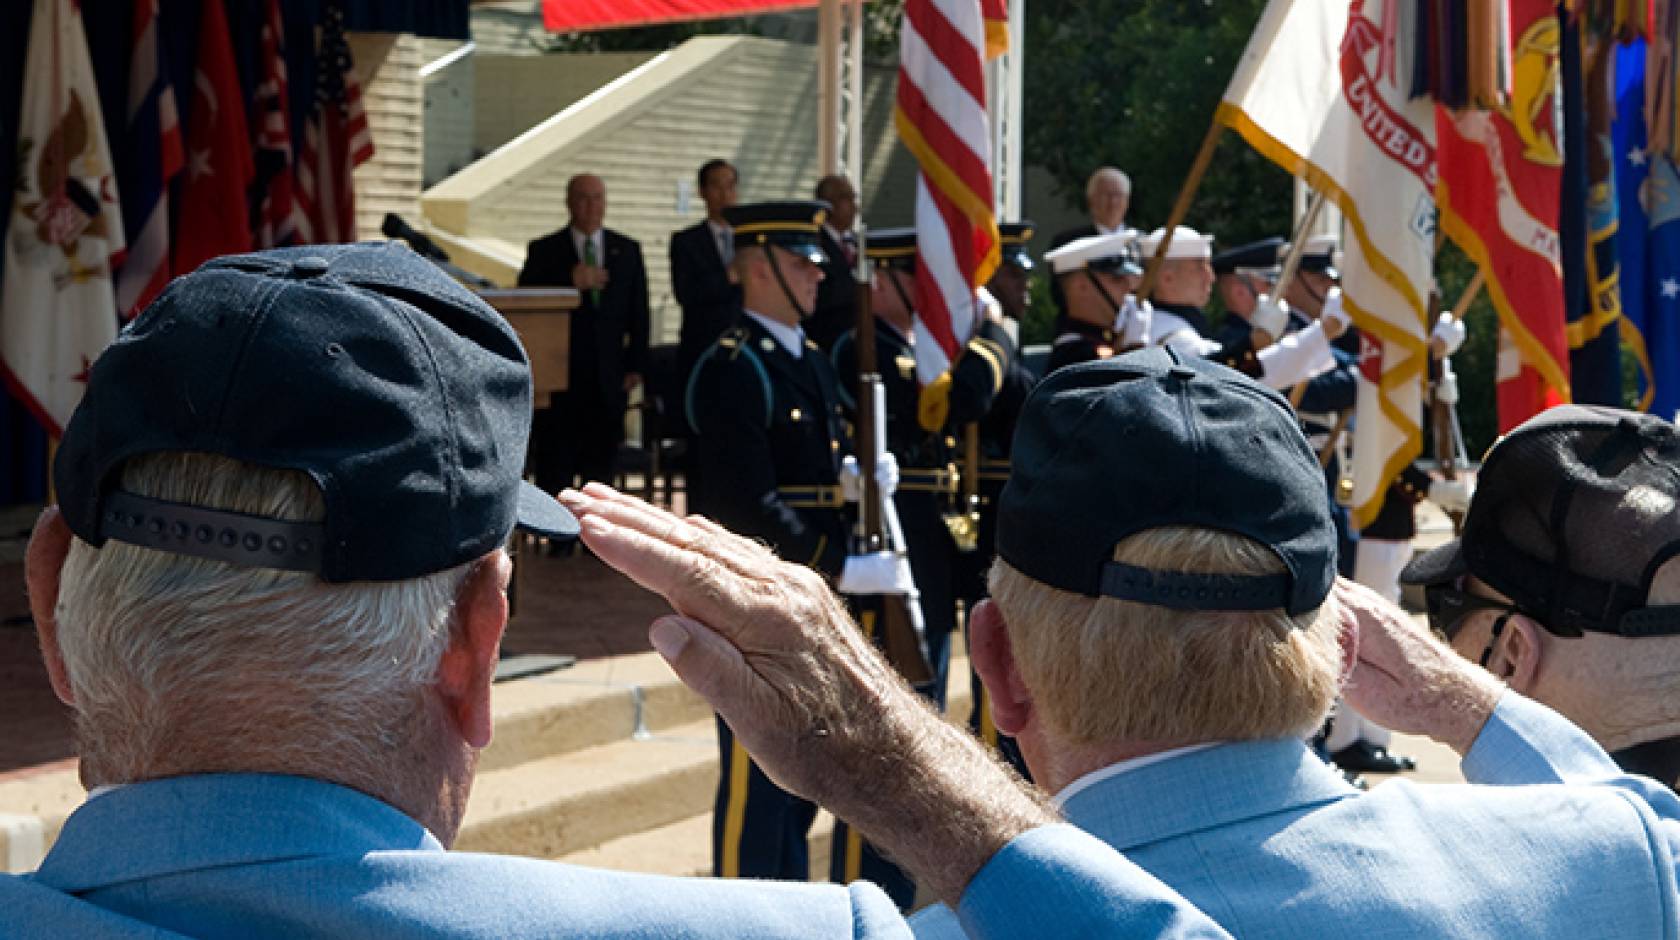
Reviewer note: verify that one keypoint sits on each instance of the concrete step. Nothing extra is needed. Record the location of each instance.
(556, 805)
(585, 706)
(684, 848)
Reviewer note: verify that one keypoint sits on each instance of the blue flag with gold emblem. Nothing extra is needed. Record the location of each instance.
(1587, 226)
(1648, 240)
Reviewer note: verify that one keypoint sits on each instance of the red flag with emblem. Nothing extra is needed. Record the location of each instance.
(219, 169)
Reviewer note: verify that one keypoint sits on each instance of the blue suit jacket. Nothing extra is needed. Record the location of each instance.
(274, 856)
(1272, 843)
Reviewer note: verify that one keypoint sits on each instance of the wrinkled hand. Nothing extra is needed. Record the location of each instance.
(1406, 679)
(772, 649)
(764, 641)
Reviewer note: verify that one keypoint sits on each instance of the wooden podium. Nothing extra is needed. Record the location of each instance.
(542, 316)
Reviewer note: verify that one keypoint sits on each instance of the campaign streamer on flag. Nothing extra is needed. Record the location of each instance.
(941, 117)
(154, 159)
(335, 141)
(58, 304)
(219, 168)
(274, 209)
(1647, 239)
(996, 15)
(1320, 91)
(1501, 179)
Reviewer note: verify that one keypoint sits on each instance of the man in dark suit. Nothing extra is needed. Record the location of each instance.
(579, 432)
(836, 307)
(1108, 194)
(700, 257)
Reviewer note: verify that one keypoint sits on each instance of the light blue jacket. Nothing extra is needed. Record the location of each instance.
(1272, 843)
(275, 856)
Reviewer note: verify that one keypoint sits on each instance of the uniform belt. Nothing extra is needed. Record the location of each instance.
(812, 496)
(927, 479)
(830, 496)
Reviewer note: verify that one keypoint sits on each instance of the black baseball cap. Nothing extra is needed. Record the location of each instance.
(1575, 510)
(1151, 438)
(794, 225)
(403, 395)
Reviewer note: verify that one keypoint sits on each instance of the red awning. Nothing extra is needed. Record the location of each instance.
(575, 16)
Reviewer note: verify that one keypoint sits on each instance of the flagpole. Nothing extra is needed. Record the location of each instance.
(1186, 193)
(1469, 295)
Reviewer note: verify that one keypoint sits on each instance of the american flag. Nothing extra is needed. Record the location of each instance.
(941, 117)
(276, 213)
(154, 127)
(335, 141)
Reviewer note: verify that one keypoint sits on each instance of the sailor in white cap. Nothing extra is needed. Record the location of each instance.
(1097, 275)
(1183, 285)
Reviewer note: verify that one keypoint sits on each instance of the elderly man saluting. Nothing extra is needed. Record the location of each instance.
(1166, 626)
(273, 593)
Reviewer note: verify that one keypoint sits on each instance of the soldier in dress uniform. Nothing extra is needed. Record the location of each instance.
(770, 439)
(1183, 286)
(924, 423)
(1009, 286)
(1097, 275)
(1243, 275)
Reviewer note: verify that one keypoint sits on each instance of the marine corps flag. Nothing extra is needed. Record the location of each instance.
(1501, 179)
(58, 306)
(1322, 90)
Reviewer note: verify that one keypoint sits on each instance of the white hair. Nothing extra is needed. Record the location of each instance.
(1091, 181)
(181, 664)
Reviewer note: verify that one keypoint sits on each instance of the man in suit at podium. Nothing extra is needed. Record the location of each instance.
(578, 434)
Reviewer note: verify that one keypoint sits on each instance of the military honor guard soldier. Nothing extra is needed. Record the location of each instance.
(1097, 275)
(1183, 287)
(770, 438)
(924, 425)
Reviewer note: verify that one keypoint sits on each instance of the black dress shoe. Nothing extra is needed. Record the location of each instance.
(1365, 757)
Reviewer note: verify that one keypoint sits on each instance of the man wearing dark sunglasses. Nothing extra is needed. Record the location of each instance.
(1564, 583)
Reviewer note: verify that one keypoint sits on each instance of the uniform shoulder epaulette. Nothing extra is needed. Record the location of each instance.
(732, 342)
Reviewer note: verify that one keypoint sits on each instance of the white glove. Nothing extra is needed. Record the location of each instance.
(876, 573)
(1452, 495)
(886, 473)
(851, 481)
(1133, 322)
(1447, 337)
(1446, 387)
(1334, 313)
(1270, 317)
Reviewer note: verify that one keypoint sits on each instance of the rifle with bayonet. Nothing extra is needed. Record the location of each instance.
(898, 623)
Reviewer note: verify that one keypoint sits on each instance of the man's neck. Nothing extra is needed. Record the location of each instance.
(1057, 765)
(590, 233)
(775, 312)
(716, 219)
(1092, 316)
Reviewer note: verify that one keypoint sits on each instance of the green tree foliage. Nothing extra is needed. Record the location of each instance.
(1134, 83)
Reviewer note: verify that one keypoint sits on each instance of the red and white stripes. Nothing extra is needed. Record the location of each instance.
(941, 117)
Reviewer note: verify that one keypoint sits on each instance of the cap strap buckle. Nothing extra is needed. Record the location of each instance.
(235, 538)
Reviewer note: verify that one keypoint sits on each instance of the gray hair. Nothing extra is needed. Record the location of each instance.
(1091, 181)
(182, 664)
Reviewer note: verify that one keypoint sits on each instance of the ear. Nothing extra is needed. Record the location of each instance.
(43, 568)
(475, 638)
(1347, 637)
(993, 657)
(1517, 654)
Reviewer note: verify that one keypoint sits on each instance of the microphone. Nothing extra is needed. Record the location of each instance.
(395, 227)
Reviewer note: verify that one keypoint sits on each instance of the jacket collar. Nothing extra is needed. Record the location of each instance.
(160, 827)
(1205, 789)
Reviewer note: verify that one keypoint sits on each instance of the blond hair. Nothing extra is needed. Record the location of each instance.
(1102, 670)
(181, 664)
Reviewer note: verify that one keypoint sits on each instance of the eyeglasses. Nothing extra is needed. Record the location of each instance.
(1449, 605)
